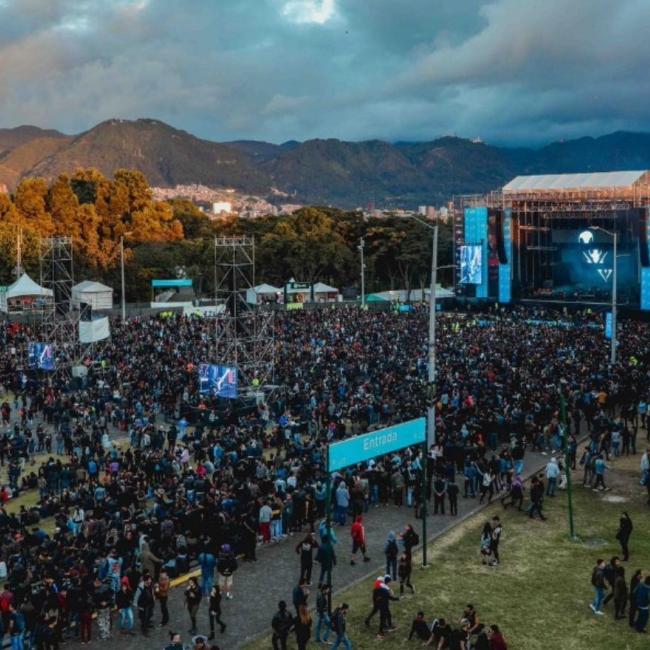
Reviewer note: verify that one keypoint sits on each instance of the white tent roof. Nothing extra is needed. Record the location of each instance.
(25, 286)
(573, 181)
(265, 288)
(321, 287)
(89, 286)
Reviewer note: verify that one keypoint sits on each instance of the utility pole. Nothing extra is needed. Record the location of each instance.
(614, 297)
(122, 273)
(361, 247)
(567, 463)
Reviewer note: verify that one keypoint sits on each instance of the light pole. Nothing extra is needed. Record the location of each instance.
(122, 273)
(361, 247)
(614, 236)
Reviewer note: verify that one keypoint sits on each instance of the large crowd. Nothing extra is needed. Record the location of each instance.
(142, 476)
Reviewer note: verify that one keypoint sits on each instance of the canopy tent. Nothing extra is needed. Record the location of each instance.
(414, 295)
(261, 293)
(25, 295)
(325, 293)
(95, 294)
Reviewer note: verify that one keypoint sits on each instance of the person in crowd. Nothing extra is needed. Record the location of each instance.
(339, 627)
(495, 539)
(214, 611)
(391, 551)
(305, 549)
(623, 534)
(486, 542)
(323, 622)
(193, 596)
(161, 592)
(404, 571)
(226, 567)
(497, 641)
(620, 593)
(281, 625)
(302, 627)
(598, 583)
(634, 583)
(420, 628)
(358, 534)
(642, 602)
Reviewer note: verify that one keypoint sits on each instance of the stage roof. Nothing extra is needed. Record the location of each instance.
(549, 182)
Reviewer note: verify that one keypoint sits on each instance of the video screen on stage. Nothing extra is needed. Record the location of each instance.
(41, 356)
(471, 264)
(218, 381)
(585, 260)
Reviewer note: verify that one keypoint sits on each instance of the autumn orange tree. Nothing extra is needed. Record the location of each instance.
(92, 209)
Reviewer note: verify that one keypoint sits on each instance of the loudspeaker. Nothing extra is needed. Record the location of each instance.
(501, 248)
(643, 238)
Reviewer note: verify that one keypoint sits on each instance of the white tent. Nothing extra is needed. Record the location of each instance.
(24, 295)
(324, 293)
(261, 292)
(95, 294)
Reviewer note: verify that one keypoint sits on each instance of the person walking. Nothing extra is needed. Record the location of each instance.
(281, 624)
(439, 493)
(214, 611)
(625, 528)
(404, 570)
(305, 549)
(516, 494)
(339, 627)
(598, 583)
(497, 529)
(207, 562)
(322, 613)
(145, 603)
(391, 551)
(162, 594)
(552, 474)
(358, 534)
(327, 559)
(342, 498)
(226, 567)
(302, 627)
(599, 472)
(193, 597)
(124, 603)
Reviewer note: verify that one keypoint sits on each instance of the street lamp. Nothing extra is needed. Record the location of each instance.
(361, 247)
(614, 236)
(126, 234)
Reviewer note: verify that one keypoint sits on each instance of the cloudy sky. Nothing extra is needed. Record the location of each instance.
(508, 71)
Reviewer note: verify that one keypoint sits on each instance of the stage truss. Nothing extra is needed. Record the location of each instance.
(244, 336)
(60, 324)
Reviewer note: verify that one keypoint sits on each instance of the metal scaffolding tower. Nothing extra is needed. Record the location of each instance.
(244, 333)
(61, 322)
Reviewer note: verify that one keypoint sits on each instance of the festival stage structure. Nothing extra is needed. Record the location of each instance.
(552, 238)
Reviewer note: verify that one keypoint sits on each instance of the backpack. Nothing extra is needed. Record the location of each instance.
(596, 578)
(391, 549)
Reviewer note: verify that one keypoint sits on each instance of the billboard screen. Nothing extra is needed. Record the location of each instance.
(41, 356)
(218, 381)
(471, 264)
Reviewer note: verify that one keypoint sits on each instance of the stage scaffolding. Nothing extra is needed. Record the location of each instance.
(536, 212)
(244, 336)
(60, 323)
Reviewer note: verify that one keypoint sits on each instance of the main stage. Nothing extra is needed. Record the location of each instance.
(559, 239)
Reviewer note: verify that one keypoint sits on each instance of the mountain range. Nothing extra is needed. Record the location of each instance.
(329, 171)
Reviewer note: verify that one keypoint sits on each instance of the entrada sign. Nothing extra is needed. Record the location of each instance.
(376, 443)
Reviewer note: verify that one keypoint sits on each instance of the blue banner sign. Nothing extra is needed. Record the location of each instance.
(377, 443)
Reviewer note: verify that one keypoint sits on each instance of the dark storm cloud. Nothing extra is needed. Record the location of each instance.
(508, 70)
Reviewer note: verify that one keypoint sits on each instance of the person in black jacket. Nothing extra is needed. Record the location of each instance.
(305, 550)
(226, 567)
(623, 535)
(382, 596)
(215, 611)
(145, 602)
(282, 624)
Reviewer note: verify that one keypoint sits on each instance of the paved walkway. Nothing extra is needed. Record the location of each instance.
(258, 586)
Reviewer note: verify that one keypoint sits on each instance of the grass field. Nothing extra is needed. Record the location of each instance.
(539, 595)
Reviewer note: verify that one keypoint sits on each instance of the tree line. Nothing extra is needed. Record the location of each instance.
(170, 238)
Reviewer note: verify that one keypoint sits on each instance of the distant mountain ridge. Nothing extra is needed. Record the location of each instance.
(325, 171)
